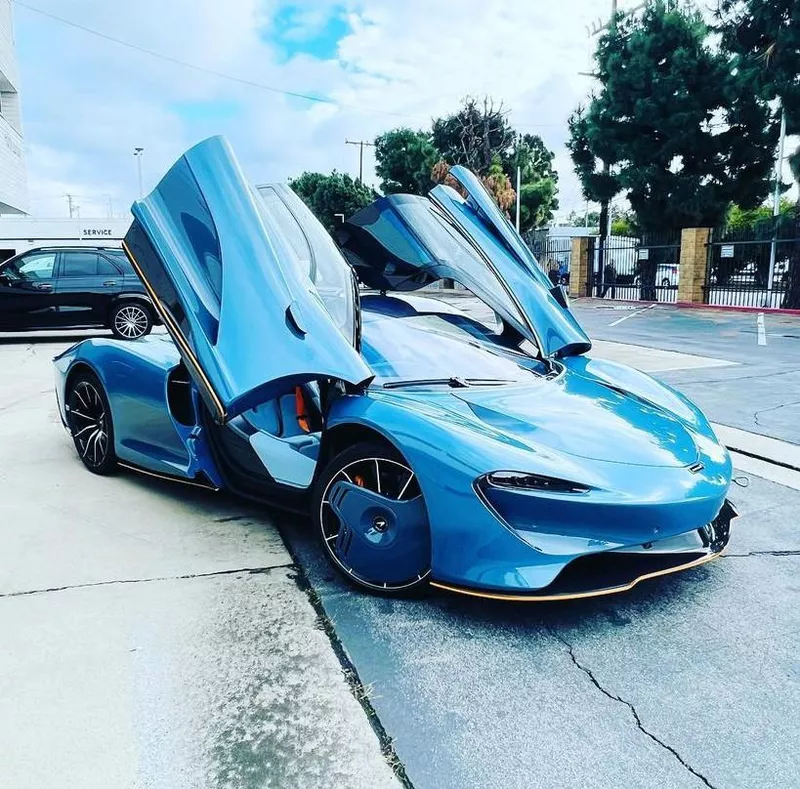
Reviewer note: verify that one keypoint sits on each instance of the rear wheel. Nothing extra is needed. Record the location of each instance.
(371, 518)
(89, 418)
(130, 320)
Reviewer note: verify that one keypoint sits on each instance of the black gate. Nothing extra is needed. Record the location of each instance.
(756, 266)
(637, 269)
(554, 254)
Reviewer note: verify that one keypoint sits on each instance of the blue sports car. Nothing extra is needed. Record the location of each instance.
(429, 448)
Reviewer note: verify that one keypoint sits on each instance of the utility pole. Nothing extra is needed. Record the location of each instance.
(71, 204)
(360, 144)
(137, 152)
(776, 207)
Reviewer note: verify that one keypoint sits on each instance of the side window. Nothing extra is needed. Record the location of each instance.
(35, 267)
(122, 263)
(106, 267)
(79, 264)
(287, 226)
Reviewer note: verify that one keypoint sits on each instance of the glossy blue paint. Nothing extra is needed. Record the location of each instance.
(644, 464)
(547, 320)
(253, 320)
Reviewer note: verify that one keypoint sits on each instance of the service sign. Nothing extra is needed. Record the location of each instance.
(94, 232)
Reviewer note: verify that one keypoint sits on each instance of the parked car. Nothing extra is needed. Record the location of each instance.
(666, 275)
(428, 449)
(74, 288)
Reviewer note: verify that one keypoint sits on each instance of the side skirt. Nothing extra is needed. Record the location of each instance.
(197, 482)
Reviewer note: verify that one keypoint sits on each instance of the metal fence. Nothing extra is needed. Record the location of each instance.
(757, 266)
(554, 254)
(636, 269)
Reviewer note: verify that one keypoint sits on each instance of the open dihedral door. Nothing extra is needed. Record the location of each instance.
(246, 319)
(403, 242)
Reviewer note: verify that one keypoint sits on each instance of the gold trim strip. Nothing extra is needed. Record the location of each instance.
(576, 595)
(167, 477)
(176, 333)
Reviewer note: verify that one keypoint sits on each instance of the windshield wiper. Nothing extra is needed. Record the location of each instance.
(454, 382)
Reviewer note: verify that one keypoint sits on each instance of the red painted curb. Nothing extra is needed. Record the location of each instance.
(687, 305)
(732, 308)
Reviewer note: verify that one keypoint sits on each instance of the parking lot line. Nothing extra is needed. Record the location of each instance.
(631, 315)
(762, 332)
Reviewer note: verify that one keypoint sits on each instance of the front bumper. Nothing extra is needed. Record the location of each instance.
(614, 571)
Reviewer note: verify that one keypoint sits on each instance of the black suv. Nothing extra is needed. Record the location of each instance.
(73, 288)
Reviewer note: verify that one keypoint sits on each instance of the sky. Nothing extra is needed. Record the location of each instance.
(378, 64)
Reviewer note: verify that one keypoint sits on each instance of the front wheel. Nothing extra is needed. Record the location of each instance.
(130, 320)
(89, 418)
(371, 519)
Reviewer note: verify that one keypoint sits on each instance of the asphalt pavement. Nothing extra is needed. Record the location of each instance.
(157, 636)
(760, 393)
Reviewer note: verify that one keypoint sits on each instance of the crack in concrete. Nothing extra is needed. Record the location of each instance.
(772, 408)
(740, 377)
(588, 672)
(212, 574)
(762, 553)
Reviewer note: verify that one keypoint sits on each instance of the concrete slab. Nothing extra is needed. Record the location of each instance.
(651, 360)
(196, 683)
(178, 650)
(762, 446)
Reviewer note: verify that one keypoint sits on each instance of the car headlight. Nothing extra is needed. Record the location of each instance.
(521, 480)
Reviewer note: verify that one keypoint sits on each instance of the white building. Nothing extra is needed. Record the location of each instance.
(13, 179)
(19, 234)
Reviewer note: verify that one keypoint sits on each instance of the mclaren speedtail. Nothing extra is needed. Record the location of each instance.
(429, 448)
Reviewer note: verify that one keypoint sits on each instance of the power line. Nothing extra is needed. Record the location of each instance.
(203, 69)
(240, 80)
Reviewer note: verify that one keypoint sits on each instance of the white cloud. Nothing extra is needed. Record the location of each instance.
(87, 101)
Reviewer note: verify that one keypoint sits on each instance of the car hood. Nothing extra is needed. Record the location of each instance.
(575, 416)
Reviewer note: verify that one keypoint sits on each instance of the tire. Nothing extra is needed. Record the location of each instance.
(130, 320)
(386, 549)
(89, 422)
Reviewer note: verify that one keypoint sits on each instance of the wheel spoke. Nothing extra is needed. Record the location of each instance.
(405, 487)
(93, 426)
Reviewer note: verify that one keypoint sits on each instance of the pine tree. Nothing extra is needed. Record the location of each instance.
(683, 134)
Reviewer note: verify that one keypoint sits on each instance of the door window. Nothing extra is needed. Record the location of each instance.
(79, 264)
(31, 267)
(106, 267)
(278, 218)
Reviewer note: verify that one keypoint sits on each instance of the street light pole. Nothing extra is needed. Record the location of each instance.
(137, 152)
(776, 207)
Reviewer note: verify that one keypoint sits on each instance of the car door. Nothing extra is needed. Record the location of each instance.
(229, 288)
(85, 287)
(27, 291)
(405, 242)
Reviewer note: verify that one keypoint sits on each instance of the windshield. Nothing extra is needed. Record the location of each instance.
(438, 348)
